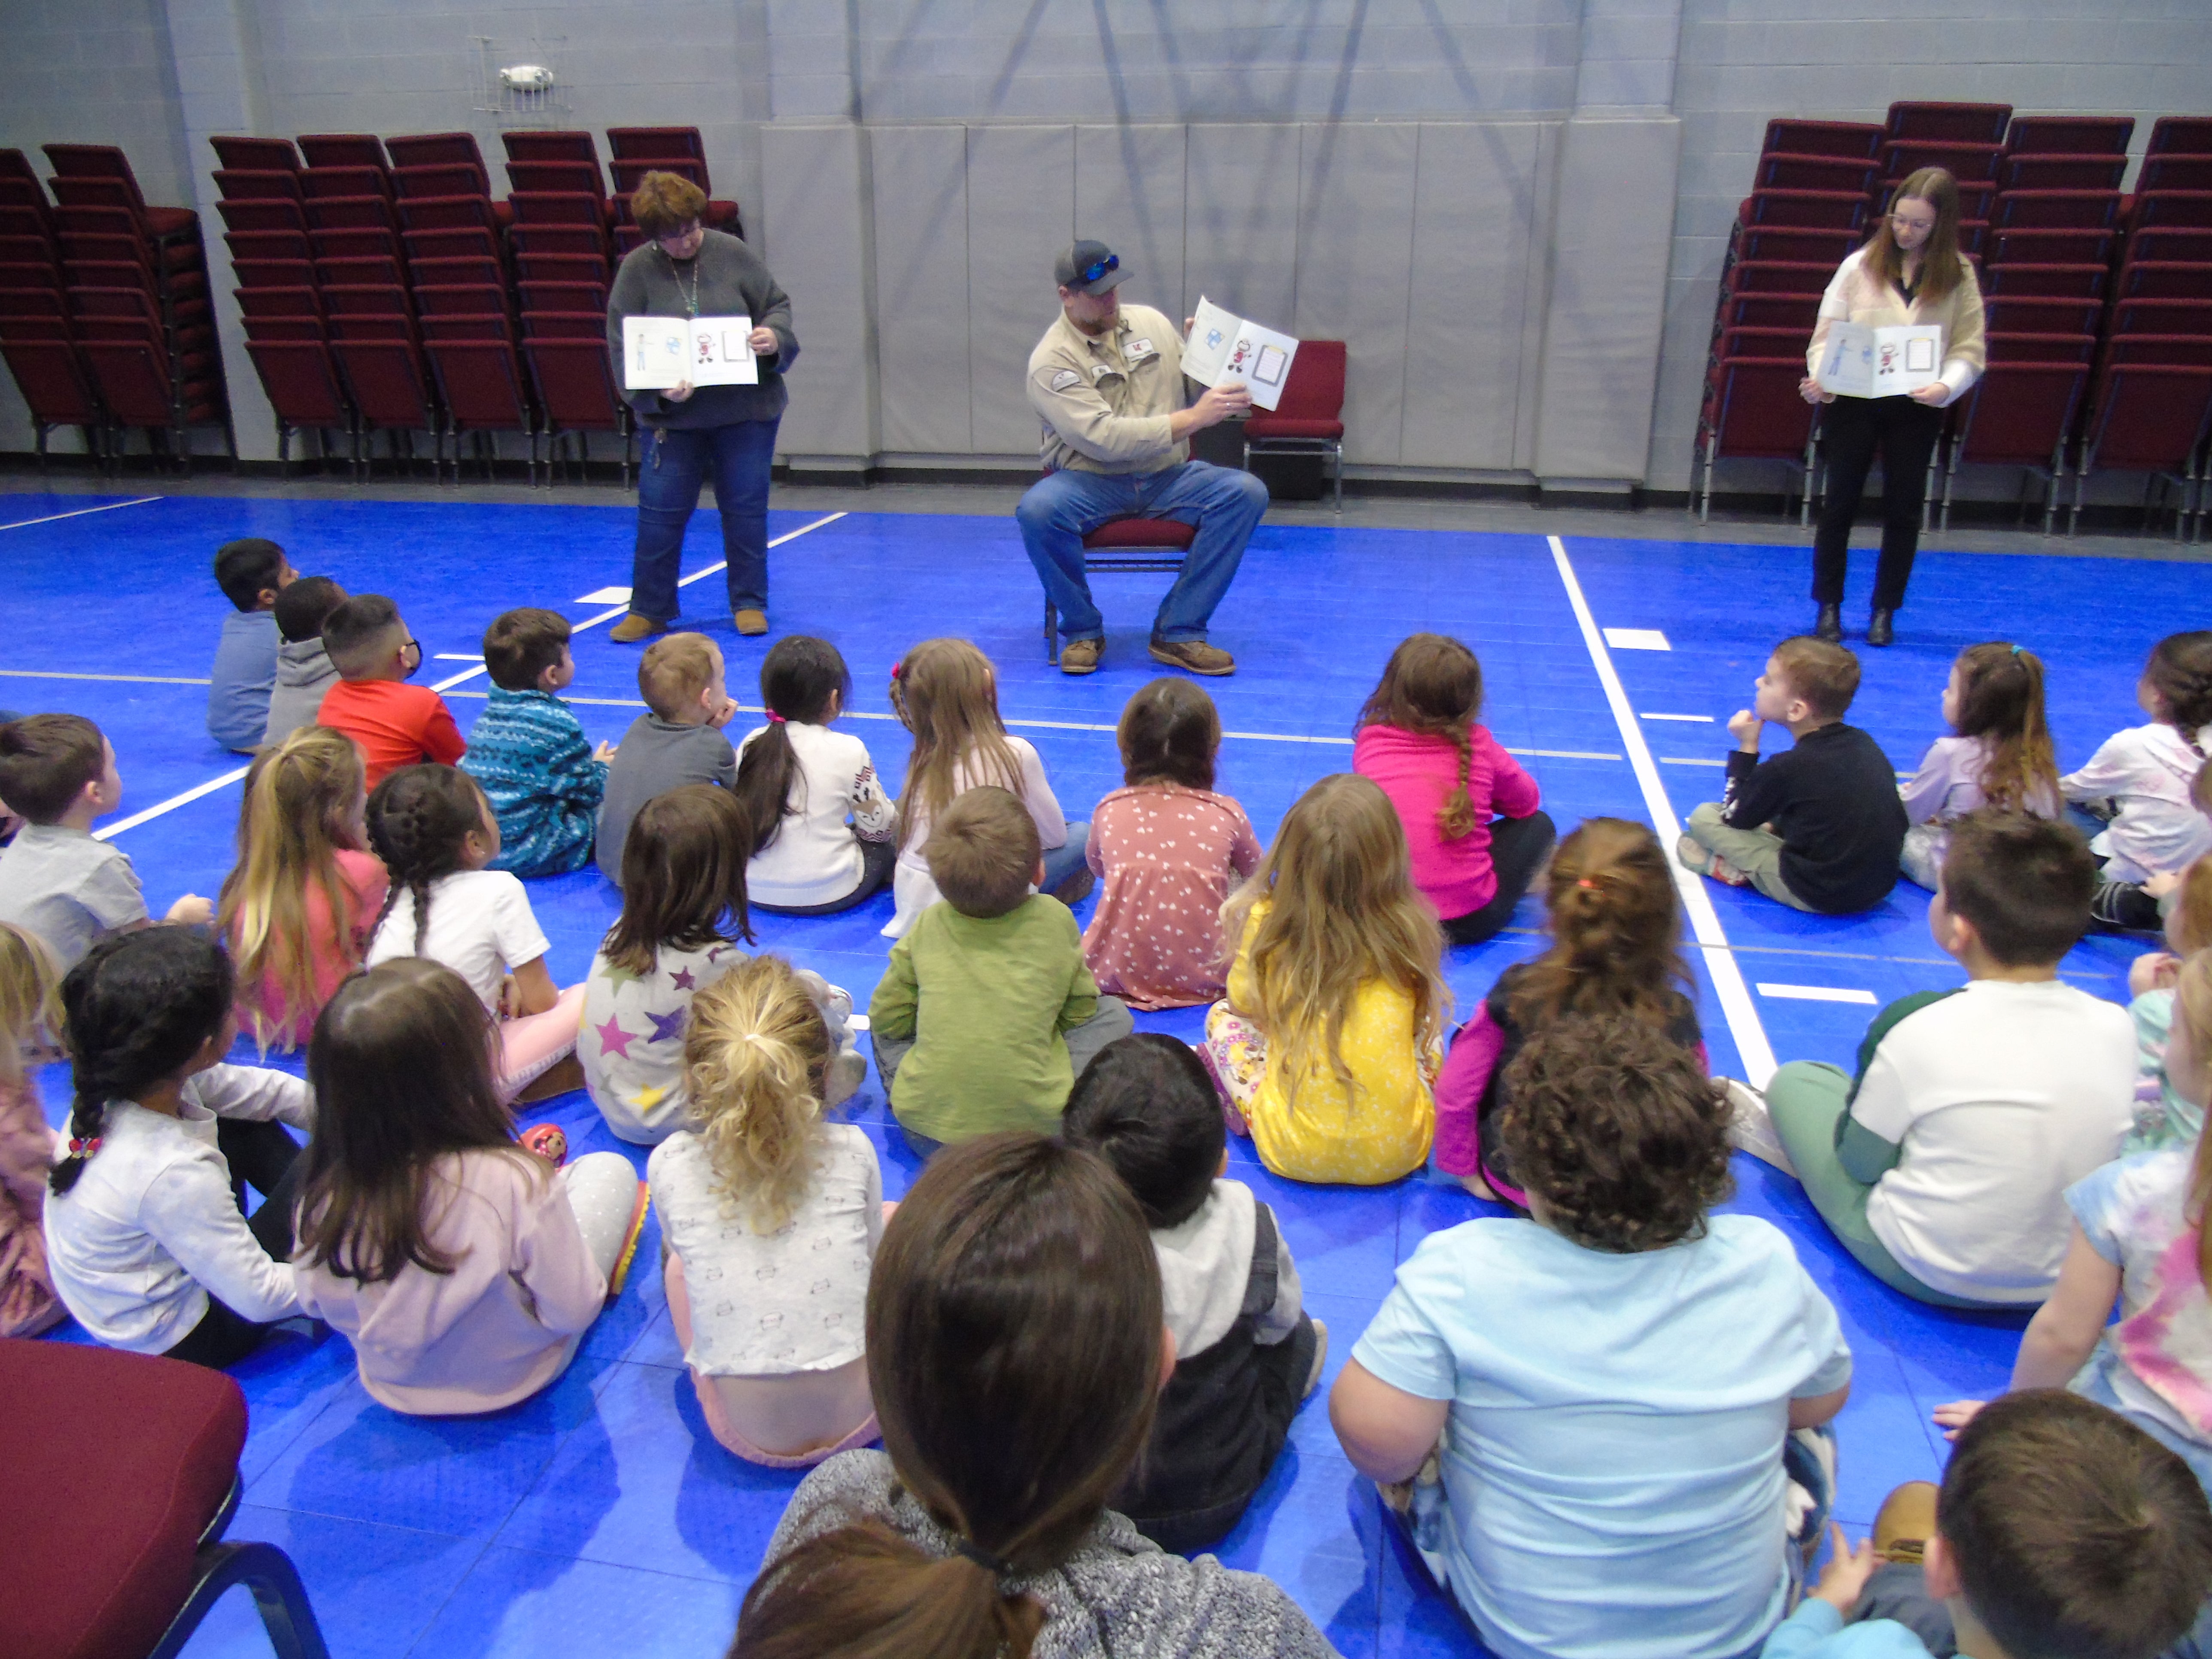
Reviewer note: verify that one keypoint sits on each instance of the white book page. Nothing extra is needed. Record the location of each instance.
(1847, 365)
(1212, 331)
(719, 354)
(1906, 359)
(1262, 359)
(653, 350)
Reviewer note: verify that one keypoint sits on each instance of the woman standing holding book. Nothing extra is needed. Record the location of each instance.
(1909, 272)
(684, 269)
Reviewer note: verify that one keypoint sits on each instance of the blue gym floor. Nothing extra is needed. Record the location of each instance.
(601, 1517)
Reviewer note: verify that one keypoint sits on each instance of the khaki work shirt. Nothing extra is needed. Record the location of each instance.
(1105, 402)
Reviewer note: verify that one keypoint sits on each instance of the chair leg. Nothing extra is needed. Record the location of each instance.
(1336, 452)
(287, 1615)
(1705, 498)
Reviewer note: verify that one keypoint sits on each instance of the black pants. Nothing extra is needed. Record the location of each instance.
(877, 860)
(1905, 434)
(262, 1156)
(1517, 846)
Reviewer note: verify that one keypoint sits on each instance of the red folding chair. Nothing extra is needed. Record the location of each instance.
(550, 146)
(268, 245)
(1752, 411)
(467, 325)
(2163, 173)
(2152, 419)
(2063, 172)
(57, 390)
(2176, 350)
(1950, 123)
(1308, 417)
(2056, 209)
(563, 296)
(86, 162)
(558, 178)
(469, 242)
(360, 242)
(429, 149)
(1836, 174)
(362, 270)
(389, 301)
(281, 302)
(138, 390)
(346, 182)
(2188, 209)
(266, 214)
(1813, 210)
(2180, 134)
(239, 185)
(576, 390)
(1967, 163)
(301, 382)
(392, 393)
(469, 271)
(349, 213)
(2041, 348)
(1769, 342)
(448, 213)
(484, 393)
(447, 179)
(2018, 414)
(1791, 245)
(1778, 276)
(656, 144)
(255, 154)
(275, 273)
(2070, 135)
(2153, 279)
(2182, 247)
(344, 149)
(2161, 317)
(2047, 282)
(1855, 141)
(2014, 315)
(565, 208)
(566, 325)
(591, 268)
(1124, 544)
(2050, 247)
(628, 174)
(284, 328)
(1795, 313)
(529, 238)
(461, 300)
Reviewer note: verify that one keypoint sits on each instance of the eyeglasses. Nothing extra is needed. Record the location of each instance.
(1091, 273)
(682, 235)
(1903, 224)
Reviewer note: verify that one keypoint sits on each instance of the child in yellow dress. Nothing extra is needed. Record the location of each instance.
(1326, 1048)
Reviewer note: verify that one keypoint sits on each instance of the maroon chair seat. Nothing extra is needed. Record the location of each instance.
(373, 301)
(2041, 348)
(2183, 246)
(1308, 415)
(2056, 209)
(1858, 141)
(472, 270)
(360, 271)
(349, 213)
(2178, 350)
(467, 325)
(655, 144)
(2148, 418)
(2175, 173)
(1753, 410)
(354, 325)
(2189, 209)
(2010, 313)
(279, 302)
(461, 300)
(345, 181)
(274, 273)
(450, 213)
(2070, 135)
(548, 208)
(2180, 134)
(2050, 247)
(467, 242)
(255, 154)
(2161, 317)
(1949, 123)
(1794, 244)
(344, 149)
(2063, 172)
(1758, 343)
(268, 245)
(628, 173)
(45, 274)
(562, 296)
(576, 391)
(114, 1538)
(56, 387)
(2018, 414)
(561, 267)
(484, 392)
(1778, 276)
(268, 213)
(447, 179)
(565, 325)
(1817, 210)
(1822, 173)
(2161, 280)
(238, 184)
(355, 242)
(559, 178)
(1967, 163)
(1131, 544)
(301, 382)
(1795, 311)
(570, 145)
(530, 239)
(2049, 282)
(427, 150)
(284, 328)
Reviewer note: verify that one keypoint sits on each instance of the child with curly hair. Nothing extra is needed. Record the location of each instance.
(1588, 1421)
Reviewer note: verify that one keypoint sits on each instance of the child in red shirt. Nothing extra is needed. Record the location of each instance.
(1470, 813)
(395, 724)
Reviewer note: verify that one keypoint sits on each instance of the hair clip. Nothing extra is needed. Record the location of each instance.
(773, 719)
(83, 1148)
(1584, 881)
(898, 670)
(2015, 651)
(995, 1565)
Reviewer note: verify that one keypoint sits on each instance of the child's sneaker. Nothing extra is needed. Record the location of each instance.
(1708, 863)
(1751, 1126)
(620, 1273)
(1907, 1521)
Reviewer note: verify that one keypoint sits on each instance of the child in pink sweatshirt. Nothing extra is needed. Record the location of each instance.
(1471, 814)
(464, 1269)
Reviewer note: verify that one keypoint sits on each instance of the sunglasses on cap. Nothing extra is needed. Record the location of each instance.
(1092, 272)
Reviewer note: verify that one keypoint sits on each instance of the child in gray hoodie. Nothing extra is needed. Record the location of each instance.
(304, 668)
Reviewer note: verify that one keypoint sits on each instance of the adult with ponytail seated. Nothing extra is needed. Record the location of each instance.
(1910, 271)
(684, 269)
(146, 1236)
(1016, 1349)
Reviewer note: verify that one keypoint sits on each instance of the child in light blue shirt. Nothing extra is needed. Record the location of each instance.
(250, 573)
(1596, 1405)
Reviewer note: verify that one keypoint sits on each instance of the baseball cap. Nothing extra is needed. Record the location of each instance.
(1089, 268)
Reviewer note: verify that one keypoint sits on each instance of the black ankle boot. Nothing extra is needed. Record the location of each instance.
(1830, 627)
(1878, 629)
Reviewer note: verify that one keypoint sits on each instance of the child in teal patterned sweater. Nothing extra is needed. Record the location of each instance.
(541, 775)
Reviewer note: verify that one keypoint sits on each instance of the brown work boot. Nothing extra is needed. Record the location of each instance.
(1194, 656)
(633, 628)
(1081, 656)
(1906, 1523)
(751, 622)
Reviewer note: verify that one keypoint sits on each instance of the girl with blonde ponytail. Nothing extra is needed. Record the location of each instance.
(1015, 1338)
(1472, 826)
(1616, 949)
(298, 909)
(771, 1215)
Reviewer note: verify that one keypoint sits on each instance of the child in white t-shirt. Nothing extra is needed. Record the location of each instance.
(2141, 780)
(684, 913)
(1941, 1166)
(435, 831)
(771, 1217)
(823, 830)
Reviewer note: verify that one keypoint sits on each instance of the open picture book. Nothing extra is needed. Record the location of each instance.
(660, 352)
(1222, 348)
(1880, 363)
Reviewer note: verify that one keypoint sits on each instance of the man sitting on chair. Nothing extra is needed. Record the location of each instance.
(1108, 380)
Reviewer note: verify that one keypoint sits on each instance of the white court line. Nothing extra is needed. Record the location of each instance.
(1736, 1005)
(124, 679)
(702, 575)
(1701, 719)
(1689, 760)
(168, 805)
(1815, 993)
(56, 518)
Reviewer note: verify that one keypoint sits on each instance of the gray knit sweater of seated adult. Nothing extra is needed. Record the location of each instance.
(1119, 1596)
(732, 281)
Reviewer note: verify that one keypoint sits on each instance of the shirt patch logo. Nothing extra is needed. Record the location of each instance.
(1065, 379)
(1100, 371)
(1136, 350)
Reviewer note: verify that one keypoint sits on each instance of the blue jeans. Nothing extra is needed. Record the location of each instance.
(676, 463)
(1062, 507)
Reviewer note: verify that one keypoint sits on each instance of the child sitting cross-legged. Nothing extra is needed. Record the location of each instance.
(1246, 1354)
(770, 1215)
(396, 724)
(1168, 849)
(677, 741)
(684, 913)
(1819, 827)
(527, 750)
(1330, 1040)
(437, 837)
(464, 1269)
(1588, 1421)
(2142, 781)
(986, 1014)
(252, 573)
(1616, 948)
(2060, 1531)
(305, 672)
(58, 773)
(1941, 1165)
(1997, 756)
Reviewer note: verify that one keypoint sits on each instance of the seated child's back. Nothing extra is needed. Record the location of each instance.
(396, 724)
(1246, 1353)
(305, 672)
(679, 741)
(251, 574)
(529, 751)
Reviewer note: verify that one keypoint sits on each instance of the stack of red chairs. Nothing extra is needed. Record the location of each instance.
(37, 337)
(562, 272)
(2152, 408)
(640, 150)
(2046, 267)
(137, 288)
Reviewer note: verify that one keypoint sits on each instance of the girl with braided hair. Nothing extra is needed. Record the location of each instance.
(761, 1191)
(436, 833)
(1471, 814)
(1616, 949)
(2141, 778)
(145, 1234)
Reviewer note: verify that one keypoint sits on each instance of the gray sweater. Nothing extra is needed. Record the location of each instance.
(1119, 1596)
(731, 283)
(304, 673)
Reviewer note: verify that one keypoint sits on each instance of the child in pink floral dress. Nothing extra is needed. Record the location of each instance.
(1166, 850)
